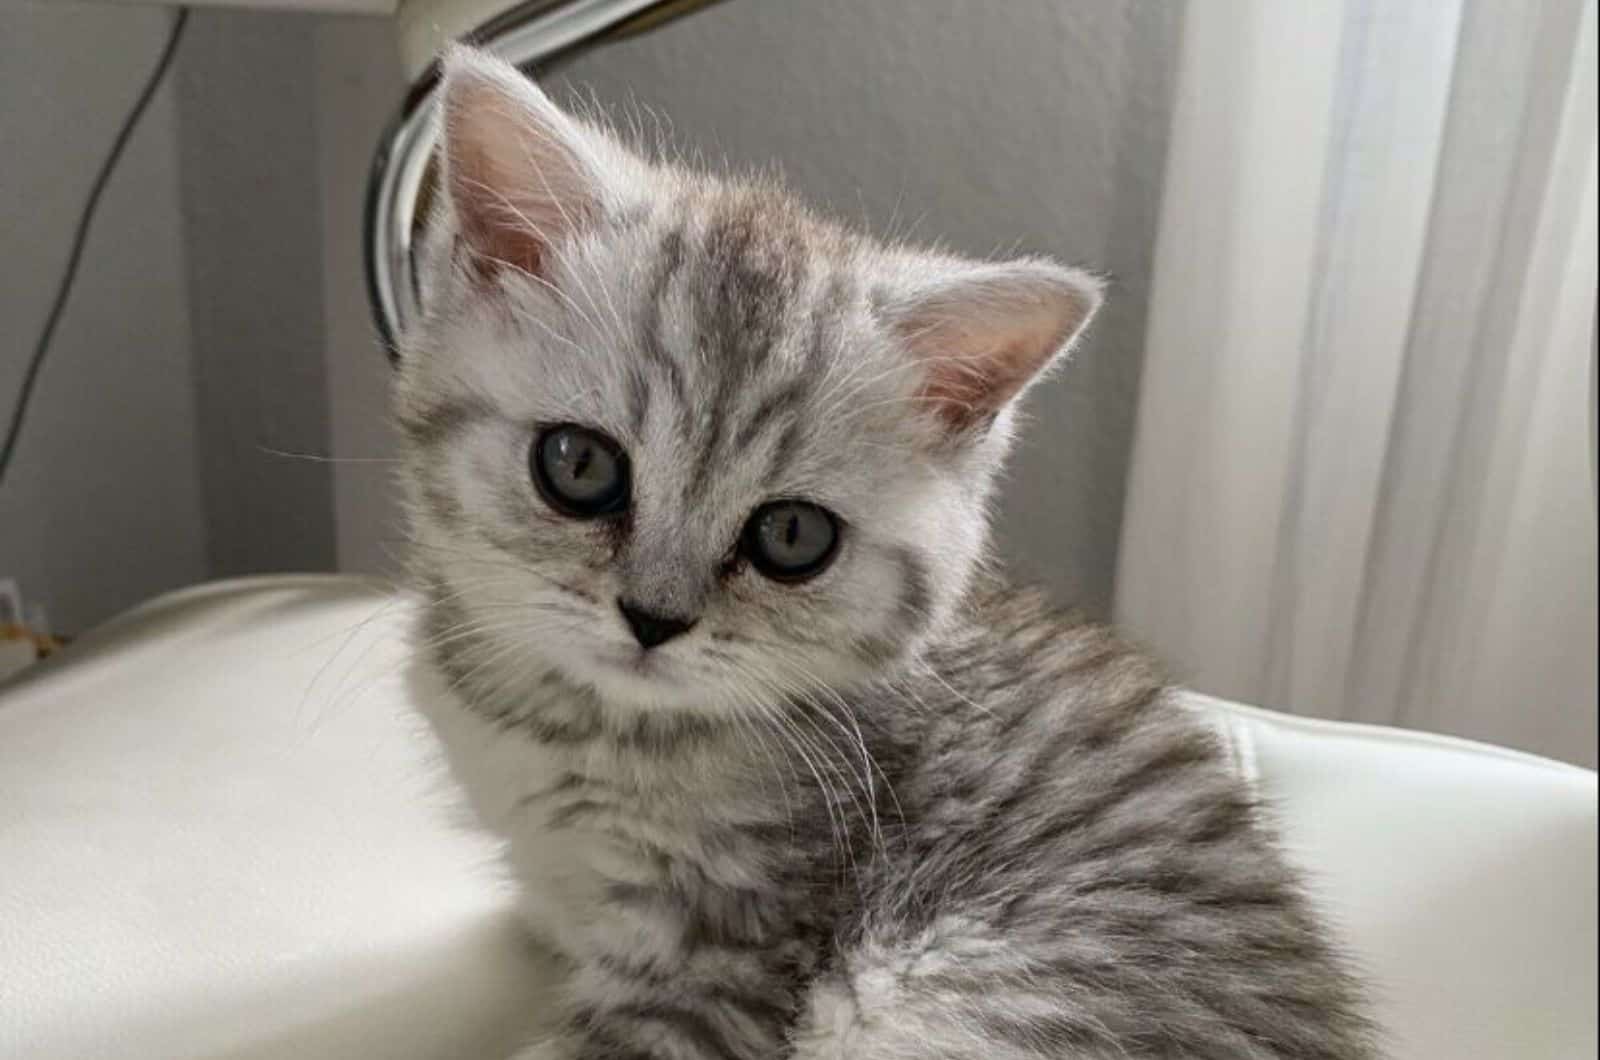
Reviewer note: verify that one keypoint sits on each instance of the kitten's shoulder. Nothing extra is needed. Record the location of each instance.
(1013, 650)
(1018, 624)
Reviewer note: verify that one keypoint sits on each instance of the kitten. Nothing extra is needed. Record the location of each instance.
(698, 485)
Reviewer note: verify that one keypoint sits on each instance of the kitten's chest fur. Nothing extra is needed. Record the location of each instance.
(705, 841)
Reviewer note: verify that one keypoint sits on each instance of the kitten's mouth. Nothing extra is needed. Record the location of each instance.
(643, 663)
(637, 663)
(628, 677)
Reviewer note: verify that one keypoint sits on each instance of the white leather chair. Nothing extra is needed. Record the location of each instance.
(223, 834)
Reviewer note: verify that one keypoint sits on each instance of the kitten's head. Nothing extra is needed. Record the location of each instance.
(678, 439)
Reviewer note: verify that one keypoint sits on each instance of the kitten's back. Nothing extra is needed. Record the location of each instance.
(1079, 841)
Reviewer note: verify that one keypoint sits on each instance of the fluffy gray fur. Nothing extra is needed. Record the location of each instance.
(897, 811)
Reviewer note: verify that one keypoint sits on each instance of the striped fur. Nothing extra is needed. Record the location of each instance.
(899, 811)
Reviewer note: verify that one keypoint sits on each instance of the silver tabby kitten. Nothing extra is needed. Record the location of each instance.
(698, 484)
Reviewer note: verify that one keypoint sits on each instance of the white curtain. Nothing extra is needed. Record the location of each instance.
(1362, 483)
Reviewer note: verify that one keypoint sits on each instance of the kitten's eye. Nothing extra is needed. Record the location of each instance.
(791, 540)
(580, 472)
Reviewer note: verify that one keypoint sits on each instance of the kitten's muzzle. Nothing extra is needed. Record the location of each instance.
(651, 629)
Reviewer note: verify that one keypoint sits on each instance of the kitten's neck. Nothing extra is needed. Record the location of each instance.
(683, 760)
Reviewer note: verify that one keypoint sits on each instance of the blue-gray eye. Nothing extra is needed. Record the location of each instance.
(791, 541)
(580, 472)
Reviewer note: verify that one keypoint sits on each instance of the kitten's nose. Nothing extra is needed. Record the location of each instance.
(650, 630)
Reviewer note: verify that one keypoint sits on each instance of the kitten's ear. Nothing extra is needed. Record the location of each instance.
(981, 333)
(522, 175)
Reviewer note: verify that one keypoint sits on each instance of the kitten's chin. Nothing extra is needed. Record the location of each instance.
(642, 681)
(627, 681)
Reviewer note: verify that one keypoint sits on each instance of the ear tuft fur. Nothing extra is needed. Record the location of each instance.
(520, 173)
(982, 333)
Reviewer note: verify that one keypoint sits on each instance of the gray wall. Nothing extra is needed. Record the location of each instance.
(102, 507)
(253, 229)
(1032, 125)
(359, 85)
(191, 354)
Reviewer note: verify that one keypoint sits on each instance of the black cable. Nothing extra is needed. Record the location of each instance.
(30, 377)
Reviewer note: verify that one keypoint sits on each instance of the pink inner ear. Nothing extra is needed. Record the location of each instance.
(972, 377)
(982, 341)
(513, 168)
(490, 243)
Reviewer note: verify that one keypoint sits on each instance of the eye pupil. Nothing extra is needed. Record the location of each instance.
(580, 472)
(790, 540)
